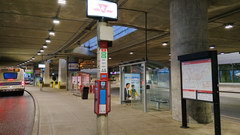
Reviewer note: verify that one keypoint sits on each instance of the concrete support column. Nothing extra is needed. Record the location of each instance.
(188, 28)
(46, 75)
(62, 72)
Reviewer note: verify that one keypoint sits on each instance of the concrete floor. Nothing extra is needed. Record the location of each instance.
(16, 115)
(61, 113)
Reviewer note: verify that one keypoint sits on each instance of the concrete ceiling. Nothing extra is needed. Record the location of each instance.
(24, 27)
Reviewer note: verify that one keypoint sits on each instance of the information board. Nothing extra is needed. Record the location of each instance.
(73, 66)
(103, 61)
(99, 9)
(197, 80)
(41, 65)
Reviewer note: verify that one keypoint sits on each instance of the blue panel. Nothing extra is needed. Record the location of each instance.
(10, 75)
(104, 76)
(102, 96)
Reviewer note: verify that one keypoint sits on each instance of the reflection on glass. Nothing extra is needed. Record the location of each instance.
(133, 76)
(157, 86)
(158, 89)
(229, 73)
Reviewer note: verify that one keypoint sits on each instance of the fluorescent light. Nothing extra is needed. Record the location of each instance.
(131, 52)
(41, 50)
(62, 2)
(212, 47)
(56, 21)
(48, 40)
(110, 58)
(51, 33)
(228, 26)
(45, 46)
(164, 44)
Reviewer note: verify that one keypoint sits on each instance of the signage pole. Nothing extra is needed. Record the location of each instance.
(216, 102)
(103, 11)
(102, 119)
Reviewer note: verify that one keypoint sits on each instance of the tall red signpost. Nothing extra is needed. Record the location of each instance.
(103, 11)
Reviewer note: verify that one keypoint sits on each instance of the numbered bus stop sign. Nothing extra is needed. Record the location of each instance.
(199, 82)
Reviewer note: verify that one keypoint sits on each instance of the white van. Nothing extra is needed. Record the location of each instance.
(12, 80)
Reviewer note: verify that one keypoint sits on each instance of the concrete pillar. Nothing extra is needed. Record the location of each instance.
(62, 72)
(46, 75)
(188, 28)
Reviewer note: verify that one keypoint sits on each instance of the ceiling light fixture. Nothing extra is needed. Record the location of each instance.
(212, 47)
(33, 58)
(51, 33)
(164, 44)
(222, 53)
(62, 2)
(38, 53)
(48, 40)
(56, 21)
(42, 50)
(45, 46)
(228, 26)
(110, 58)
(131, 52)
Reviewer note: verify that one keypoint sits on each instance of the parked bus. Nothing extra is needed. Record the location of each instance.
(12, 81)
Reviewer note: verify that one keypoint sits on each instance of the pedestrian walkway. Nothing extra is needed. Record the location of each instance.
(62, 113)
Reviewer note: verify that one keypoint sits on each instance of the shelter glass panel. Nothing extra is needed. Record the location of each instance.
(157, 89)
(132, 85)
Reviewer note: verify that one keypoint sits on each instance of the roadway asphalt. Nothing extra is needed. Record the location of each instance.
(16, 115)
(230, 105)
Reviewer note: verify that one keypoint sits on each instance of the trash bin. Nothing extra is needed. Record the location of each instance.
(85, 92)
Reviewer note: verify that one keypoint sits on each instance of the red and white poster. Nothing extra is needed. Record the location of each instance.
(197, 80)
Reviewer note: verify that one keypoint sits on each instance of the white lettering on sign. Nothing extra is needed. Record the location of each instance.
(102, 8)
(197, 80)
(102, 109)
(103, 61)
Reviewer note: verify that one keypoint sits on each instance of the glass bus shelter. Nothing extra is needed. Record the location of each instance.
(145, 85)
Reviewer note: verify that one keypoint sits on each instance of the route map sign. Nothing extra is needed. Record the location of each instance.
(197, 80)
